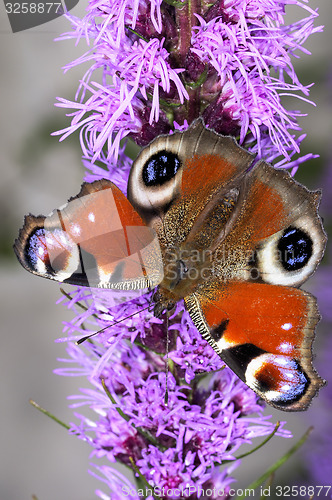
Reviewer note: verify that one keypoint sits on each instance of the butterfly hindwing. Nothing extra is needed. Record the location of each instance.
(270, 351)
(97, 239)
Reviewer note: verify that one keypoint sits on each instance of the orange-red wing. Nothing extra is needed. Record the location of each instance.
(264, 333)
(97, 239)
(273, 200)
(194, 172)
(271, 205)
(212, 174)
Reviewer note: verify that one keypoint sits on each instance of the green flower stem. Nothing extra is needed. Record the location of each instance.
(142, 478)
(268, 484)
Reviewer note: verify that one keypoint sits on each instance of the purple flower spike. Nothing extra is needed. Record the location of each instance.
(178, 445)
(163, 404)
(161, 63)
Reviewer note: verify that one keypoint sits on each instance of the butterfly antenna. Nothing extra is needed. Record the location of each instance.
(167, 361)
(87, 337)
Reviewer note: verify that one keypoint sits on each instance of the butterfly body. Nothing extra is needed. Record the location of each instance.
(201, 223)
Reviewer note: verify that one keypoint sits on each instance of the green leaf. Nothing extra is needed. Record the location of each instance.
(137, 34)
(175, 3)
(266, 440)
(270, 471)
(49, 414)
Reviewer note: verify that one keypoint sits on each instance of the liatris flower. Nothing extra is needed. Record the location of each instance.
(155, 67)
(166, 62)
(177, 446)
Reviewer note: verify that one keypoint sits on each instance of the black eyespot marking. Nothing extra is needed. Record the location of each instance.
(243, 354)
(36, 249)
(286, 378)
(291, 392)
(295, 248)
(87, 267)
(253, 260)
(254, 273)
(218, 331)
(160, 168)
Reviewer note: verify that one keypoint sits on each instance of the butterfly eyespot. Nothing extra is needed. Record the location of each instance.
(36, 252)
(280, 378)
(295, 249)
(254, 273)
(290, 256)
(160, 168)
(51, 253)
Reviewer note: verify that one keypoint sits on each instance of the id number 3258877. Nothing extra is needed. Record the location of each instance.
(303, 491)
(33, 8)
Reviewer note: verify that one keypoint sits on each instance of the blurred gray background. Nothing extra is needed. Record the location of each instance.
(39, 174)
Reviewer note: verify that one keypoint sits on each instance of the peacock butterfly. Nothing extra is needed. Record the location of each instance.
(235, 241)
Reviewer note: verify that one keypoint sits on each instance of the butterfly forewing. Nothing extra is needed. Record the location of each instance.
(97, 239)
(200, 169)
